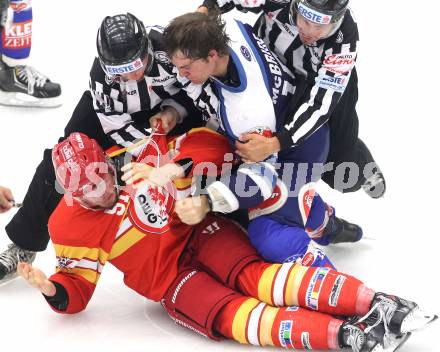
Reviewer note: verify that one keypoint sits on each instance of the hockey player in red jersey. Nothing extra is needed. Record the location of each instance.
(207, 277)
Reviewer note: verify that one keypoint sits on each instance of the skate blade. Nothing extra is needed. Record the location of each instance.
(25, 100)
(399, 341)
(417, 320)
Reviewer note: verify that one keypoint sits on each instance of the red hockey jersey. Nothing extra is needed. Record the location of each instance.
(140, 235)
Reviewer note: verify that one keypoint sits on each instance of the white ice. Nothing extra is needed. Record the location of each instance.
(397, 108)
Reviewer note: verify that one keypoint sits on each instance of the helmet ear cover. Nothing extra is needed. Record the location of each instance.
(123, 43)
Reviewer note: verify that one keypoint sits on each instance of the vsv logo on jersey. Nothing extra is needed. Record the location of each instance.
(313, 15)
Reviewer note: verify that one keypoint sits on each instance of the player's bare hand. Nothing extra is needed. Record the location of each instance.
(138, 174)
(36, 278)
(6, 199)
(135, 172)
(254, 147)
(168, 118)
(192, 210)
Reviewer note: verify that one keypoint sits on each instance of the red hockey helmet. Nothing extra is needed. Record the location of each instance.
(80, 163)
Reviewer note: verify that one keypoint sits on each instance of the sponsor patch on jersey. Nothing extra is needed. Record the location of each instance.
(314, 289)
(292, 309)
(162, 80)
(308, 259)
(340, 63)
(305, 340)
(336, 290)
(18, 36)
(337, 83)
(245, 52)
(285, 333)
(313, 15)
(162, 57)
(126, 68)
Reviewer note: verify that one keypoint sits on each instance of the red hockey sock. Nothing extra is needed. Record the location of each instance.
(250, 321)
(320, 289)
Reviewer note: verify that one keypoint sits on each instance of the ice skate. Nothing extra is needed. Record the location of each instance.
(340, 231)
(362, 337)
(9, 260)
(25, 86)
(398, 315)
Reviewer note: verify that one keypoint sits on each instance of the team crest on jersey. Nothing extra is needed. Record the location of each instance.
(152, 207)
(65, 263)
(162, 57)
(246, 53)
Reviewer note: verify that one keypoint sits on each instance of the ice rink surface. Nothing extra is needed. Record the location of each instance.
(399, 120)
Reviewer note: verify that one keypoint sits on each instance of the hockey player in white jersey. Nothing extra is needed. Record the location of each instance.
(318, 40)
(241, 86)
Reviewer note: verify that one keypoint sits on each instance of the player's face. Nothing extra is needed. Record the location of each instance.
(101, 195)
(196, 70)
(310, 32)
